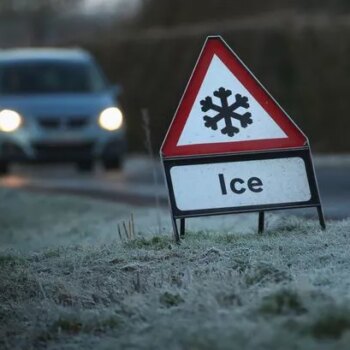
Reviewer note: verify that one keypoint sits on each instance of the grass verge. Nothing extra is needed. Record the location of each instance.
(285, 289)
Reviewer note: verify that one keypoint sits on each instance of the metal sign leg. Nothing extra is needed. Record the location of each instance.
(261, 222)
(321, 217)
(176, 232)
(182, 228)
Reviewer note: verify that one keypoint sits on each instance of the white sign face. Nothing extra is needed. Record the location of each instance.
(261, 125)
(243, 183)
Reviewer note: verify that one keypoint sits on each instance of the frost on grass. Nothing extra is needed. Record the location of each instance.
(286, 289)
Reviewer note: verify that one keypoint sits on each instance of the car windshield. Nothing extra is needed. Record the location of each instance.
(50, 77)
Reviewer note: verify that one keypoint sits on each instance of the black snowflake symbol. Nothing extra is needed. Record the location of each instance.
(226, 112)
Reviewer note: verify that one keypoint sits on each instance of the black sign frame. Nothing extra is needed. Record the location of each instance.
(303, 153)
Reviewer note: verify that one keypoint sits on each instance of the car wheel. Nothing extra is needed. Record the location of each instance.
(85, 166)
(4, 168)
(112, 163)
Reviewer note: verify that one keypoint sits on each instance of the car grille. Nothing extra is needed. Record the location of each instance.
(49, 123)
(52, 151)
(54, 123)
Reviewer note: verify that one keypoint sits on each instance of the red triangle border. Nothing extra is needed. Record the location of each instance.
(216, 46)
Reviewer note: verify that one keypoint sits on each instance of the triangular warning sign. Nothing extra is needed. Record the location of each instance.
(226, 110)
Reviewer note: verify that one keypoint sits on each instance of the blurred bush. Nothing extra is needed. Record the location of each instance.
(306, 70)
(298, 49)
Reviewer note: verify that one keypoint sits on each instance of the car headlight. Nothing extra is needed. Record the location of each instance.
(9, 120)
(111, 119)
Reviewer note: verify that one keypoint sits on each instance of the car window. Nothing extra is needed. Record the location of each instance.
(50, 77)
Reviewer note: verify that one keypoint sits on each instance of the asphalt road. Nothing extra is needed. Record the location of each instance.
(334, 186)
(141, 183)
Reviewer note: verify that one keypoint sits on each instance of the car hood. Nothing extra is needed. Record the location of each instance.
(57, 105)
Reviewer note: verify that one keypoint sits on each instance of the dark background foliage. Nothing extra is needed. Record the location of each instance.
(300, 50)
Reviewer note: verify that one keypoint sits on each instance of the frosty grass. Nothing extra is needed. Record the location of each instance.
(67, 281)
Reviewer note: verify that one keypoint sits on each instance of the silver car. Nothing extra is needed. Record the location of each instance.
(55, 105)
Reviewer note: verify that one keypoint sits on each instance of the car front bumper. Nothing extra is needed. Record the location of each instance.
(62, 147)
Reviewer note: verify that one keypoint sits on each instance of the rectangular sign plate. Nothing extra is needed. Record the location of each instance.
(236, 184)
(241, 183)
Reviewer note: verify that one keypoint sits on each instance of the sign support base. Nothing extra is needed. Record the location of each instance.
(175, 229)
(182, 228)
(321, 217)
(261, 222)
